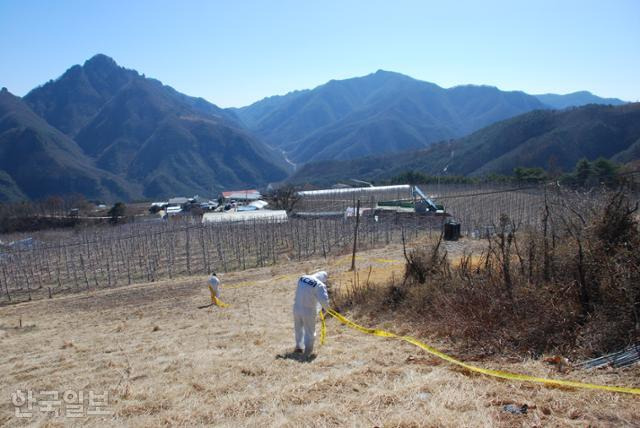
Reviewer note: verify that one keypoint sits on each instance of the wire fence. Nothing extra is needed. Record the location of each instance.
(111, 256)
(114, 256)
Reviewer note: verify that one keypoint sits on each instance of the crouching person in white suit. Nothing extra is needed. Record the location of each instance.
(311, 296)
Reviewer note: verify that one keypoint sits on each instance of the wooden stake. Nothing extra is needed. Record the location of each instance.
(355, 236)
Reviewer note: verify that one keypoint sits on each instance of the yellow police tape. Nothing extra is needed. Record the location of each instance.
(323, 329)
(488, 372)
(346, 259)
(388, 261)
(215, 300)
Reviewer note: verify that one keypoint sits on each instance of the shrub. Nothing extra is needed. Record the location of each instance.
(571, 286)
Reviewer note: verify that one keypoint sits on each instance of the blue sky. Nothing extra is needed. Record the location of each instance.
(236, 52)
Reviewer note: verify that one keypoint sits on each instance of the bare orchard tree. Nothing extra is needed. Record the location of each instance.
(283, 198)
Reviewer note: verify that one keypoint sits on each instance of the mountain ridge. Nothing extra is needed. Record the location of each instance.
(541, 138)
(156, 140)
(123, 135)
(343, 114)
(576, 99)
(36, 159)
(70, 101)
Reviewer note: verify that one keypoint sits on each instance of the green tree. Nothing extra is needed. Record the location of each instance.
(411, 177)
(117, 211)
(590, 174)
(530, 175)
(605, 170)
(583, 172)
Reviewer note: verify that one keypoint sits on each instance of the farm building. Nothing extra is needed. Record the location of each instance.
(252, 206)
(342, 201)
(179, 204)
(172, 210)
(397, 191)
(178, 201)
(241, 195)
(338, 200)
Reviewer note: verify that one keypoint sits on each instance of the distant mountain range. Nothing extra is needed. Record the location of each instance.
(383, 112)
(542, 138)
(119, 135)
(576, 99)
(110, 133)
(386, 112)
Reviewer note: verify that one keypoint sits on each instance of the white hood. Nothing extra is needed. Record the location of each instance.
(321, 276)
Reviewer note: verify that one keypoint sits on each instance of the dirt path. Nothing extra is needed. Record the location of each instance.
(166, 362)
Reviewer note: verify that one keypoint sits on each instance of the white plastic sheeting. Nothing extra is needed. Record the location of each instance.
(278, 216)
(374, 189)
(259, 204)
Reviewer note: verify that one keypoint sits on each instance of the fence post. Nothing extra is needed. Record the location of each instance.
(355, 236)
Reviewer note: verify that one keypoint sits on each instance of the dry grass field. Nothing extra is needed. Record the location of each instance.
(167, 362)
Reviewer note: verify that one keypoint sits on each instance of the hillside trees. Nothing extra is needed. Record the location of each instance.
(530, 175)
(117, 212)
(590, 174)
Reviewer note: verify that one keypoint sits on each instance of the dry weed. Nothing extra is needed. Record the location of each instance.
(229, 366)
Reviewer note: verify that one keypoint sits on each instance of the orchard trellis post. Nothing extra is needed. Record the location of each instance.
(355, 237)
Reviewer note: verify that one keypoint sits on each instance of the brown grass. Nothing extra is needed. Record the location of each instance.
(231, 367)
(575, 291)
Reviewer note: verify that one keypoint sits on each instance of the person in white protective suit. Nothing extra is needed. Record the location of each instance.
(214, 285)
(311, 296)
